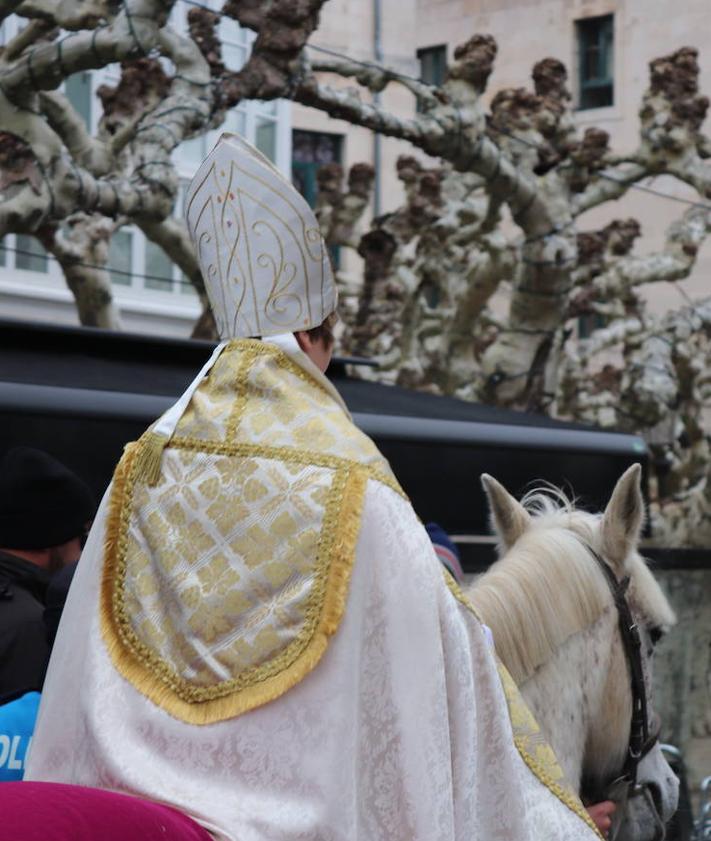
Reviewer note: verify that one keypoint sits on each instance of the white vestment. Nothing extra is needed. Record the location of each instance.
(398, 729)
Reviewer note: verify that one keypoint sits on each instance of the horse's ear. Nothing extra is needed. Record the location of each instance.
(510, 519)
(623, 518)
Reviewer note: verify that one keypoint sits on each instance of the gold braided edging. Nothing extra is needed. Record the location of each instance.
(525, 728)
(527, 735)
(286, 453)
(458, 593)
(204, 705)
(283, 359)
(251, 348)
(565, 795)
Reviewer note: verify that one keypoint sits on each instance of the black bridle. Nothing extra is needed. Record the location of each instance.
(643, 735)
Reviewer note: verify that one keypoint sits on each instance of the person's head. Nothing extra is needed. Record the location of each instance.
(45, 509)
(446, 550)
(317, 343)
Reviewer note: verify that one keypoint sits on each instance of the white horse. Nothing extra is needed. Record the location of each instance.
(555, 625)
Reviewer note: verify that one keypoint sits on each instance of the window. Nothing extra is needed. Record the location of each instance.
(159, 269)
(235, 44)
(265, 137)
(78, 91)
(310, 150)
(595, 62)
(121, 257)
(589, 323)
(433, 64)
(30, 254)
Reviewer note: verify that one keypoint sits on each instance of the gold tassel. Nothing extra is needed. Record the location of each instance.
(149, 457)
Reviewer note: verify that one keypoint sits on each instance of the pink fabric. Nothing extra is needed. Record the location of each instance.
(56, 812)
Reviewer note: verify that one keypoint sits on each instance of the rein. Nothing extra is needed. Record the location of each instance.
(642, 737)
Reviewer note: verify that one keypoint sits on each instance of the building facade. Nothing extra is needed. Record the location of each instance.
(605, 44)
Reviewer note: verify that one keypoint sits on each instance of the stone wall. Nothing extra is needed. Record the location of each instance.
(683, 669)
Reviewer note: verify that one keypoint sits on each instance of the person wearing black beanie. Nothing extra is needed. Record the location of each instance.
(45, 510)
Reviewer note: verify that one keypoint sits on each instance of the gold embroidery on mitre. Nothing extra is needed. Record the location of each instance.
(263, 258)
(223, 582)
(532, 746)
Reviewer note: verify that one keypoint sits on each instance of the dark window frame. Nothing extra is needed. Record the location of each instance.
(304, 168)
(433, 66)
(595, 39)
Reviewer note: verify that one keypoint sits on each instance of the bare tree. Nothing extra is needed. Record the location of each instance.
(73, 191)
(500, 208)
(432, 267)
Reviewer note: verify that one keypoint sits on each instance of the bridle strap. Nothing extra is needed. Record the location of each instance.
(642, 740)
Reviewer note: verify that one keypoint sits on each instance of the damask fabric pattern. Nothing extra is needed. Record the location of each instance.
(400, 734)
(263, 512)
(258, 394)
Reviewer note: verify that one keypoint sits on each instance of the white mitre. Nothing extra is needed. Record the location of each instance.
(263, 260)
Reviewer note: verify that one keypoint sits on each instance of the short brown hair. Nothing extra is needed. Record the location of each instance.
(324, 330)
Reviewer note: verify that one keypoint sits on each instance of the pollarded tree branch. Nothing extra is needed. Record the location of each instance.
(454, 129)
(34, 31)
(68, 14)
(83, 256)
(611, 184)
(132, 34)
(684, 239)
(64, 120)
(149, 189)
(339, 211)
(283, 29)
(375, 78)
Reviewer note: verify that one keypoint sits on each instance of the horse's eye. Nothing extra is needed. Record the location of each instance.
(655, 634)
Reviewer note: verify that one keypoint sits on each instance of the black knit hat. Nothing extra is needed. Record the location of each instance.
(42, 503)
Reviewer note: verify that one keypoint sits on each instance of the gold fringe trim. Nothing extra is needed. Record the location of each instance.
(151, 446)
(148, 675)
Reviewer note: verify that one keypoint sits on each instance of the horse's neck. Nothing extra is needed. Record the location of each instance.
(565, 694)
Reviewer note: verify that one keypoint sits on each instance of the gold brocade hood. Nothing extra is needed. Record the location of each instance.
(224, 580)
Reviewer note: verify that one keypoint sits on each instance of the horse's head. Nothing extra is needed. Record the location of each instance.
(550, 601)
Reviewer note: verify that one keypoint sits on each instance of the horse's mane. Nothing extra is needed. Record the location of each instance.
(548, 584)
